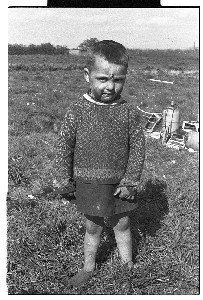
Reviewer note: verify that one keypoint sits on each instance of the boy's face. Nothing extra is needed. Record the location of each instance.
(106, 79)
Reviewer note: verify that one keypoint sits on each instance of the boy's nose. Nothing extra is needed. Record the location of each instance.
(110, 85)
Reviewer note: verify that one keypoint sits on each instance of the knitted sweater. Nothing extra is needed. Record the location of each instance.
(100, 143)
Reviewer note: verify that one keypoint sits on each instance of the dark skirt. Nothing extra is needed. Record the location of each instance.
(98, 200)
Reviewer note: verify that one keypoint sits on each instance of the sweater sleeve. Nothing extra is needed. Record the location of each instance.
(64, 149)
(136, 151)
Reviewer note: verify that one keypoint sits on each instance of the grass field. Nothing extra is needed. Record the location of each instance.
(45, 235)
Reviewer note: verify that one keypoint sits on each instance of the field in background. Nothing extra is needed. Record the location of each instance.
(45, 236)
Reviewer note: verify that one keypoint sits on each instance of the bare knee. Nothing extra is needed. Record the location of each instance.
(122, 224)
(93, 228)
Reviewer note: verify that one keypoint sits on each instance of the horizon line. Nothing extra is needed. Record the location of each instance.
(188, 48)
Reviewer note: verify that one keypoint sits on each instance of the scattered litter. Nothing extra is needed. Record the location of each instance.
(171, 117)
(191, 140)
(154, 122)
(164, 81)
(145, 112)
(165, 126)
(28, 103)
(170, 145)
(191, 150)
(162, 280)
(176, 141)
(31, 197)
(190, 126)
(156, 135)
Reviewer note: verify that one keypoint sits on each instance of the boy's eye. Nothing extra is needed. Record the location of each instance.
(115, 79)
(118, 79)
(103, 79)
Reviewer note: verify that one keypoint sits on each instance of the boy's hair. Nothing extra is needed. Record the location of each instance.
(111, 51)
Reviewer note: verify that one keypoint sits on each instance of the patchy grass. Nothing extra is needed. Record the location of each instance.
(45, 235)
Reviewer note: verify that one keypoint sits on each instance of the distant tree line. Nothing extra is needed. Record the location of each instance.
(47, 48)
(88, 43)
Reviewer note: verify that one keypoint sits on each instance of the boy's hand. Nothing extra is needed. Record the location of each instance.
(123, 192)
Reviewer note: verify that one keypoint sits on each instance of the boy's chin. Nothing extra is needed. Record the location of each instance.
(106, 98)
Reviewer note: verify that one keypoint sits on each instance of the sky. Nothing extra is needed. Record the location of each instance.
(152, 28)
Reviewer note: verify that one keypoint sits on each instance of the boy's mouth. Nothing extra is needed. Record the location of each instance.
(108, 94)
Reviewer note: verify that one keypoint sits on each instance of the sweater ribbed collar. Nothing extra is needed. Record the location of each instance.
(90, 99)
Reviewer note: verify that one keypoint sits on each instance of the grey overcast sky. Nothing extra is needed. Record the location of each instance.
(155, 28)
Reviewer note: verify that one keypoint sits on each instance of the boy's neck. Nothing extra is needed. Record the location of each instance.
(89, 98)
(97, 100)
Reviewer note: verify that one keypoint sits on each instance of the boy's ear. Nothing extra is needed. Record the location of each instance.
(87, 74)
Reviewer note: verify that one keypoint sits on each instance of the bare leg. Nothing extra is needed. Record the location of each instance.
(91, 244)
(121, 227)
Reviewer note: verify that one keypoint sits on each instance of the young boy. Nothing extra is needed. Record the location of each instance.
(101, 148)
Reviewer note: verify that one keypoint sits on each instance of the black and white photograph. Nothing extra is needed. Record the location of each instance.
(103, 151)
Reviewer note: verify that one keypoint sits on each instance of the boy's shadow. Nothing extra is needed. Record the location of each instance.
(146, 219)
